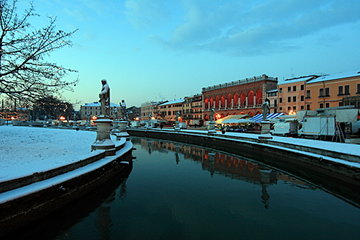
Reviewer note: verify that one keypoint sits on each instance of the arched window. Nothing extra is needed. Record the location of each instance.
(217, 99)
(259, 99)
(243, 99)
(236, 100)
(229, 98)
(251, 98)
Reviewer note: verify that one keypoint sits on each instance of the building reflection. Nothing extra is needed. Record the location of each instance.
(224, 164)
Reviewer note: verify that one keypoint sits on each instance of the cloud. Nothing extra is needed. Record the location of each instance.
(242, 27)
(147, 13)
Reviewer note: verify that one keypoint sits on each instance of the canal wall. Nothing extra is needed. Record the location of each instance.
(26, 200)
(337, 173)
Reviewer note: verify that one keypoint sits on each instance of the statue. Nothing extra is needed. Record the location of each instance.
(212, 113)
(105, 99)
(123, 110)
(265, 109)
(177, 116)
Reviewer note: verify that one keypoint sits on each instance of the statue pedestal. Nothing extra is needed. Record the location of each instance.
(177, 126)
(120, 130)
(103, 140)
(265, 127)
(211, 127)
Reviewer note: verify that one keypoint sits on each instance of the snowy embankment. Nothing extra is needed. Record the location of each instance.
(348, 148)
(25, 150)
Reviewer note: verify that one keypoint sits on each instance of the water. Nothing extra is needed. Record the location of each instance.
(178, 191)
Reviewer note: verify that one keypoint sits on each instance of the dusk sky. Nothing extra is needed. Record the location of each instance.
(152, 50)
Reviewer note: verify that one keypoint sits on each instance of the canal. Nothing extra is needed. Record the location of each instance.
(179, 191)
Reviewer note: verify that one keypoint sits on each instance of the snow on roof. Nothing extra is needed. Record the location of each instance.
(97, 104)
(297, 79)
(181, 100)
(335, 76)
(272, 91)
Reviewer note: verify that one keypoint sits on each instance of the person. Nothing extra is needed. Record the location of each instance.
(105, 99)
(265, 109)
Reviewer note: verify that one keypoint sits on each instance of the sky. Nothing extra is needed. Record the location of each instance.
(154, 50)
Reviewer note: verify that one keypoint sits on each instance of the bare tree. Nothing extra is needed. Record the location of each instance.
(24, 72)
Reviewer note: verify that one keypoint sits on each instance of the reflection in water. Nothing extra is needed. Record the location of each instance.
(224, 164)
(178, 191)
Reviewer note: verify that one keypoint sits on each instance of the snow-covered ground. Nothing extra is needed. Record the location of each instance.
(25, 150)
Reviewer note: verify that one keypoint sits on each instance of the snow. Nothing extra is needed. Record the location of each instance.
(173, 102)
(335, 76)
(348, 148)
(25, 150)
(98, 104)
(38, 186)
(293, 80)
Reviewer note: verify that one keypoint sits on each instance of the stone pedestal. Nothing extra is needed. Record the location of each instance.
(121, 130)
(103, 140)
(265, 127)
(211, 127)
(177, 126)
(123, 125)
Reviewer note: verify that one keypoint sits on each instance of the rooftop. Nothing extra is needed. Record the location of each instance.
(330, 77)
(181, 100)
(97, 104)
(298, 79)
(240, 82)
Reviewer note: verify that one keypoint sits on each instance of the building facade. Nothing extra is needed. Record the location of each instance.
(292, 94)
(168, 110)
(333, 90)
(149, 110)
(91, 110)
(239, 97)
(193, 110)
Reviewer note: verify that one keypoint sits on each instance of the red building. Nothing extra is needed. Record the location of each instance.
(238, 97)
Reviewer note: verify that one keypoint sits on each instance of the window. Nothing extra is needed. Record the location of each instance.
(294, 88)
(302, 87)
(289, 89)
(324, 92)
(289, 108)
(302, 107)
(280, 90)
(294, 107)
(358, 88)
(321, 105)
(341, 90)
(308, 107)
(280, 108)
(327, 105)
(302, 98)
(289, 99)
(280, 100)
(308, 94)
(294, 98)
(347, 90)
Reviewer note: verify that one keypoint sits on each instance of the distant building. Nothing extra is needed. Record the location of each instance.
(238, 97)
(18, 114)
(149, 110)
(133, 112)
(93, 110)
(168, 110)
(292, 94)
(272, 96)
(193, 110)
(333, 90)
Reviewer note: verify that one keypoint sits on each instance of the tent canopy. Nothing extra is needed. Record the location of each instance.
(231, 119)
(258, 118)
